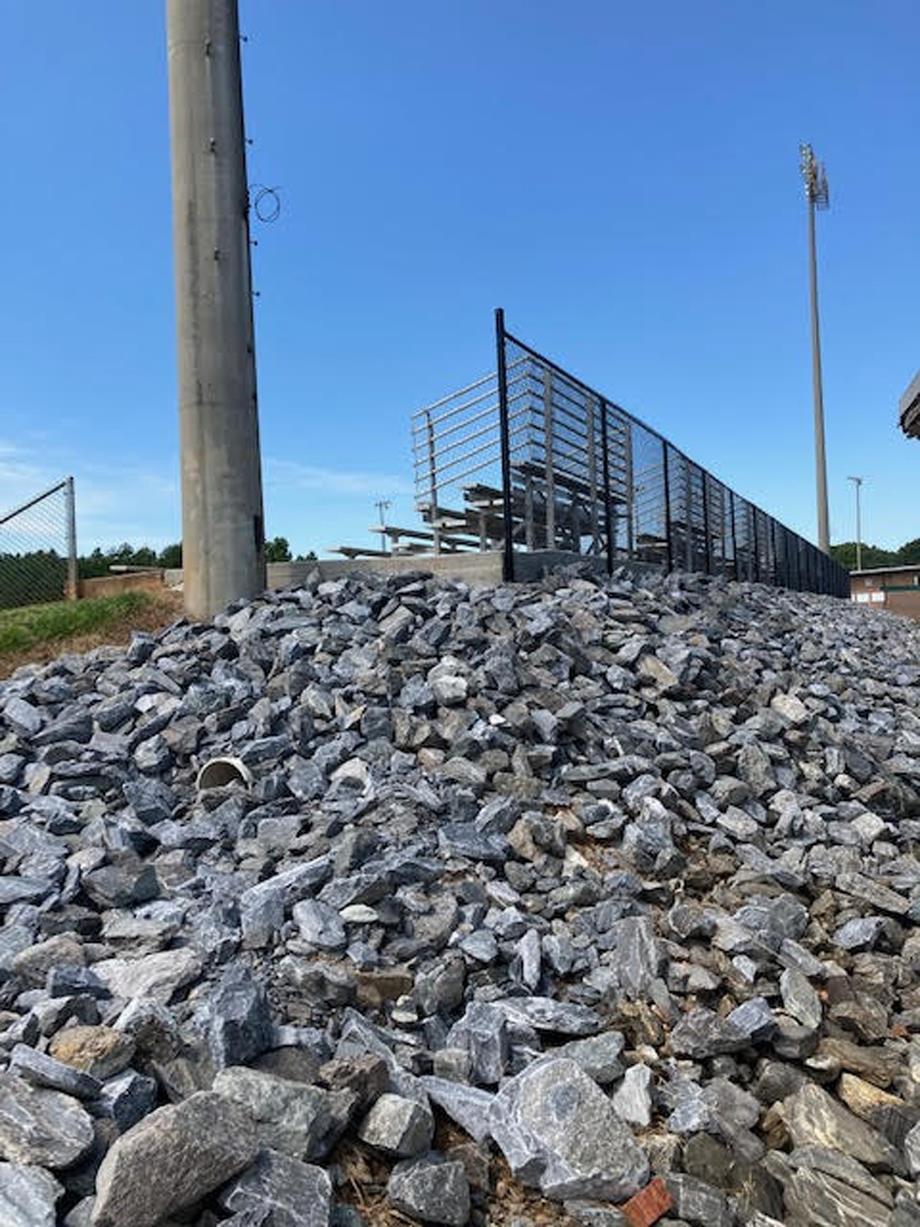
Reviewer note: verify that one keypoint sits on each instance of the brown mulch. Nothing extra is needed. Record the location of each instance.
(164, 608)
(364, 1176)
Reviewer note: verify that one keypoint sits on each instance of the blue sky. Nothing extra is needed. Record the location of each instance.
(622, 178)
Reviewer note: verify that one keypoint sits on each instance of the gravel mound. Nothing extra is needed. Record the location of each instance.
(605, 890)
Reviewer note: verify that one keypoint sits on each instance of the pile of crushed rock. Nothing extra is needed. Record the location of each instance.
(611, 883)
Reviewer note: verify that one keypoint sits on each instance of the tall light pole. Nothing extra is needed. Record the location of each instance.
(816, 193)
(223, 538)
(857, 482)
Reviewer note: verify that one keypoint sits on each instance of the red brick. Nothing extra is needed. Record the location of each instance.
(648, 1205)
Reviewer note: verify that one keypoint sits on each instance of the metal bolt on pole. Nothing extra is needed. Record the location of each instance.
(818, 197)
(857, 483)
(223, 538)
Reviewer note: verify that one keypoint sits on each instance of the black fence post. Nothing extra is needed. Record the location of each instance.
(731, 503)
(775, 568)
(666, 462)
(605, 459)
(756, 535)
(507, 517)
(707, 540)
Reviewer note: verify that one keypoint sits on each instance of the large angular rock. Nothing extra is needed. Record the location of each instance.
(152, 1027)
(632, 1100)
(558, 1130)
(815, 1118)
(28, 1196)
(127, 1098)
(597, 1055)
(701, 1034)
(754, 1018)
(123, 884)
(40, 1126)
(175, 1157)
(912, 1151)
(431, 1189)
(790, 707)
(637, 954)
(23, 717)
(397, 1126)
(158, 976)
(41, 1070)
(467, 1106)
(34, 962)
(320, 925)
(99, 1051)
(832, 1190)
(483, 1034)
(697, 1202)
(237, 1020)
(291, 1117)
(545, 1014)
(877, 1065)
(800, 999)
(289, 1193)
(887, 1113)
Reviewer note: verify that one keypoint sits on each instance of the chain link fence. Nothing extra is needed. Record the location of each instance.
(38, 549)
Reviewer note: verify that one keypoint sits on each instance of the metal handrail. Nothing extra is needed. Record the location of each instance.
(450, 396)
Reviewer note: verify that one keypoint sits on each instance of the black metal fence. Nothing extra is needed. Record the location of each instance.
(531, 458)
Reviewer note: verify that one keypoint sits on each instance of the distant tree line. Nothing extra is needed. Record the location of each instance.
(100, 562)
(874, 556)
(34, 576)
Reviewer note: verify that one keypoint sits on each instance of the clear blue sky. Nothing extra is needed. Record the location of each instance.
(622, 178)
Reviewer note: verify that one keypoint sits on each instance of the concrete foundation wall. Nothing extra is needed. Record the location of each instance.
(474, 568)
(479, 569)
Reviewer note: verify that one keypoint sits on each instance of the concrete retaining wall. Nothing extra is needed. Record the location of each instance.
(481, 569)
(112, 585)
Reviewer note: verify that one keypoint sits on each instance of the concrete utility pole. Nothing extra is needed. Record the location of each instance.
(223, 536)
(816, 193)
(857, 482)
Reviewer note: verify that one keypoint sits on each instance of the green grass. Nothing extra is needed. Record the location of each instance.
(30, 625)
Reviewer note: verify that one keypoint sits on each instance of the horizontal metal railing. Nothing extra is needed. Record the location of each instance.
(531, 457)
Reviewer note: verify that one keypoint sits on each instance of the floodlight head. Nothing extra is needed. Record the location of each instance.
(814, 177)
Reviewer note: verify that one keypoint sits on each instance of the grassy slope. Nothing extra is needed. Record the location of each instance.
(41, 632)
